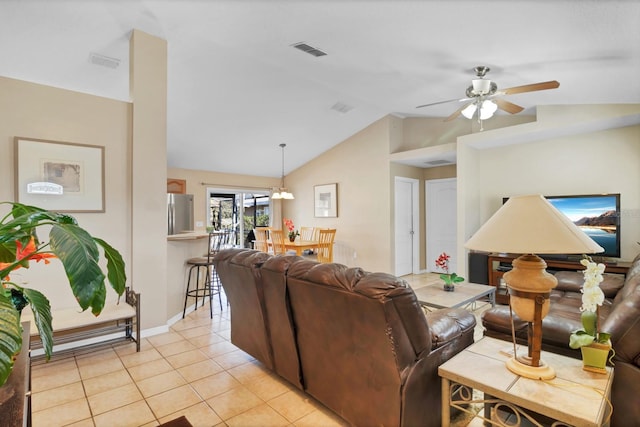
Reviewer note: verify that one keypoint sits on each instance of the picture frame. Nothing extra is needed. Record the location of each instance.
(59, 176)
(325, 200)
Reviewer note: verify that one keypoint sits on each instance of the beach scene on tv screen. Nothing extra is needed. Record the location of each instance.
(596, 216)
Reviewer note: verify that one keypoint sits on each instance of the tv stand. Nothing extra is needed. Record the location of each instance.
(498, 264)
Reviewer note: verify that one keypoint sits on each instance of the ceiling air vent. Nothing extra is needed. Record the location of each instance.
(341, 107)
(308, 49)
(103, 61)
(437, 162)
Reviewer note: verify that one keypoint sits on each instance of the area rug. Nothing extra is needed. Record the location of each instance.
(178, 422)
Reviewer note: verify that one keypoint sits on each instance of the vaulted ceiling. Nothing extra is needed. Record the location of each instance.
(237, 88)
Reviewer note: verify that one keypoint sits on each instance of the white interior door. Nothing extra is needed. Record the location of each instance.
(406, 226)
(441, 219)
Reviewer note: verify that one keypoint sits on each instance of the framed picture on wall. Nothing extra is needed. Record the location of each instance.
(325, 200)
(59, 176)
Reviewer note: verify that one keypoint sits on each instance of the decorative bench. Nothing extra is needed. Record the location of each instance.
(75, 331)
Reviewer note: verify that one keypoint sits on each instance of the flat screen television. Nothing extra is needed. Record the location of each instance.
(598, 215)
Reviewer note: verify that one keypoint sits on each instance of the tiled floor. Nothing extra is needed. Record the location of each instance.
(193, 370)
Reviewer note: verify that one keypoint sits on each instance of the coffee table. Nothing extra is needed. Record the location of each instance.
(575, 397)
(464, 294)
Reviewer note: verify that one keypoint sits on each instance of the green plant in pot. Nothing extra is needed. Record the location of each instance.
(79, 254)
(594, 344)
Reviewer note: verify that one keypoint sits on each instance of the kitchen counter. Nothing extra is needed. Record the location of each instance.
(195, 235)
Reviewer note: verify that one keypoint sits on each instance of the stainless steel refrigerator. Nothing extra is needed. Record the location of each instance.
(180, 213)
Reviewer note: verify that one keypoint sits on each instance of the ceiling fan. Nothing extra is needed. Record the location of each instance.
(483, 97)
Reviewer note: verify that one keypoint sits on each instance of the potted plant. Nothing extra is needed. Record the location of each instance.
(593, 343)
(450, 279)
(293, 233)
(74, 247)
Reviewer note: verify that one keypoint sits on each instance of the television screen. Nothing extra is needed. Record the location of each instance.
(597, 215)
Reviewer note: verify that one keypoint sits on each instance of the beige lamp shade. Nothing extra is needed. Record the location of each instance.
(531, 225)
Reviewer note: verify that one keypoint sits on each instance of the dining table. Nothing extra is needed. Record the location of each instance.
(299, 246)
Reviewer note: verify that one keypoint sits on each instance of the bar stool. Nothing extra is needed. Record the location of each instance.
(211, 285)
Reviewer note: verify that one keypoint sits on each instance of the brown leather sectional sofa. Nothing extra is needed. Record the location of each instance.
(357, 342)
(619, 315)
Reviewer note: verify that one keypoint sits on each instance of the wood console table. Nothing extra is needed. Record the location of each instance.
(496, 272)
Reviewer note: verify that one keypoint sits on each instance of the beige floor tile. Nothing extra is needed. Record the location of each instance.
(62, 415)
(135, 414)
(100, 367)
(262, 415)
(107, 382)
(130, 348)
(234, 402)
(268, 387)
(57, 396)
(149, 369)
(196, 332)
(186, 358)
(206, 340)
(215, 384)
(164, 339)
(292, 405)
(248, 372)
(83, 423)
(39, 369)
(233, 358)
(218, 349)
(200, 415)
(320, 418)
(114, 398)
(173, 400)
(175, 348)
(199, 370)
(145, 356)
(54, 378)
(163, 382)
(96, 357)
(225, 334)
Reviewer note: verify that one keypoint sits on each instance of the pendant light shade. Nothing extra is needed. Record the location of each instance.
(282, 192)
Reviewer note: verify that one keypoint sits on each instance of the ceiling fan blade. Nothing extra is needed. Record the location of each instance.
(445, 102)
(456, 113)
(552, 84)
(507, 106)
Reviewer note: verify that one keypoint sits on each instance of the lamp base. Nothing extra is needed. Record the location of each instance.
(520, 367)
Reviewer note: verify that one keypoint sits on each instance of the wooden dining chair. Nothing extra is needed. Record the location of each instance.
(277, 242)
(308, 233)
(262, 239)
(326, 237)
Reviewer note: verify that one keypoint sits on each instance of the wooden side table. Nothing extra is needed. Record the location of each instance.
(575, 397)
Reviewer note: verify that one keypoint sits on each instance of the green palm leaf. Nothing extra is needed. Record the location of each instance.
(42, 317)
(79, 255)
(10, 335)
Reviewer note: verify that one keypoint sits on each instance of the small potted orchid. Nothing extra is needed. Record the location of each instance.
(450, 279)
(594, 344)
(293, 233)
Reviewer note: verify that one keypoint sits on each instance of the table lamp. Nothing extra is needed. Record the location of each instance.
(530, 225)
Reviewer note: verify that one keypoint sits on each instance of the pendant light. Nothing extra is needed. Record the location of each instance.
(282, 192)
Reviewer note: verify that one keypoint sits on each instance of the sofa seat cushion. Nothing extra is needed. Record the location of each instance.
(448, 325)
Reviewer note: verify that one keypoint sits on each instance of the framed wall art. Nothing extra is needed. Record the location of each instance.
(325, 200)
(59, 176)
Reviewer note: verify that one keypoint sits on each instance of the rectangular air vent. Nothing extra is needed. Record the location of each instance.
(437, 162)
(103, 61)
(308, 49)
(341, 107)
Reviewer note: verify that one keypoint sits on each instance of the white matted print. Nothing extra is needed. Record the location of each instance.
(44, 167)
(325, 200)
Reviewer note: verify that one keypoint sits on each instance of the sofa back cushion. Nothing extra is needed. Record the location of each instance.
(239, 273)
(572, 281)
(279, 321)
(357, 333)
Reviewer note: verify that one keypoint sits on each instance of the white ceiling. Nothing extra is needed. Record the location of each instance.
(237, 89)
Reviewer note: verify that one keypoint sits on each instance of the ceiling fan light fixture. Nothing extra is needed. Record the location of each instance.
(481, 86)
(469, 111)
(487, 109)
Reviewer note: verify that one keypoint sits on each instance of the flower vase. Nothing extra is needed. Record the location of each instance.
(292, 238)
(449, 287)
(594, 357)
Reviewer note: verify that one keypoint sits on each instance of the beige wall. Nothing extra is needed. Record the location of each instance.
(360, 167)
(35, 111)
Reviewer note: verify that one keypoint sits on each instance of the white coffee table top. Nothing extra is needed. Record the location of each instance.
(575, 396)
(465, 293)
